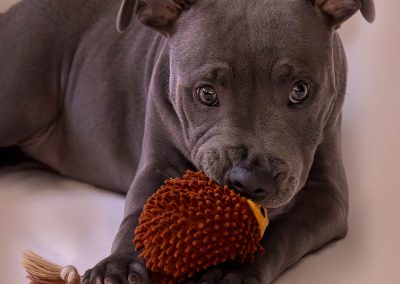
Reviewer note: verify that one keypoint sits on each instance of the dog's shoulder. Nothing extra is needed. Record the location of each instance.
(58, 16)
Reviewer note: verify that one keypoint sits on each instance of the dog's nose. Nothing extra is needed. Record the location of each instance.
(256, 184)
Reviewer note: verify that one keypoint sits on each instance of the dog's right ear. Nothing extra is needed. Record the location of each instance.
(157, 14)
(338, 11)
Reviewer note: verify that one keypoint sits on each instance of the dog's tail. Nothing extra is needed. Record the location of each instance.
(42, 271)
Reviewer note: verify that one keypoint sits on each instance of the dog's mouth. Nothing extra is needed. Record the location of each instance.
(280, 202)
(285, 179)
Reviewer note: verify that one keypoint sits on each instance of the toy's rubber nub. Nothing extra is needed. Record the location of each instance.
(260, 212)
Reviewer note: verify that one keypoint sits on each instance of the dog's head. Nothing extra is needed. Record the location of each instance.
(253, 84)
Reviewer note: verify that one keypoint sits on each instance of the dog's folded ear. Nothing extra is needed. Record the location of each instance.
(157, 14)
(125, 14)
(338, 11)
(368, 10)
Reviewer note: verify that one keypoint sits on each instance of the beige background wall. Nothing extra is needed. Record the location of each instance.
(370, 253)
(4, 4)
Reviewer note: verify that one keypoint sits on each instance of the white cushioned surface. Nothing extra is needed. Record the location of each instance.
(71, 222)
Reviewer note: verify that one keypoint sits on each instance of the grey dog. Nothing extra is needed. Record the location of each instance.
(248, 91)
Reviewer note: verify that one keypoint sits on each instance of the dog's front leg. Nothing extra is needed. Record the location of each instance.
(124, 265)
(318, 217)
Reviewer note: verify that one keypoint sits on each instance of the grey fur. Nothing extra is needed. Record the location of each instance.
(120, 110)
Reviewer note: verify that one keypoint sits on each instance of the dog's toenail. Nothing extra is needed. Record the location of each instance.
(132, 278)
(109, 281)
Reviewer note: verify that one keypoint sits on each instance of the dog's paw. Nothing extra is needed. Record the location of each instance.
(118, 269)
(228, 275)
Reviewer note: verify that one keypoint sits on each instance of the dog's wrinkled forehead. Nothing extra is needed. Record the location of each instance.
(250, 32)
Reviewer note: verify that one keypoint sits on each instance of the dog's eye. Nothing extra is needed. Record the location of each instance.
(299, 93)
(207, 95)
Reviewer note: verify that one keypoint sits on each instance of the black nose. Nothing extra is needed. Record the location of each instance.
(256, 184)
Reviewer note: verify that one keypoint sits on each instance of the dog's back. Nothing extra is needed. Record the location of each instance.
(77, 78)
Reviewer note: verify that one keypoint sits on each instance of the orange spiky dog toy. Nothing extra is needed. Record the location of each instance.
(193, 223)
(188, 225)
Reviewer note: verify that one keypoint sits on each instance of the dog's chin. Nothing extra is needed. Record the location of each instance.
(275, 212)
(277, 208)
(274, 204)
(282, 200)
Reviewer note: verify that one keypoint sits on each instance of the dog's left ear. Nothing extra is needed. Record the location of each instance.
(157, 14)
(339, 11)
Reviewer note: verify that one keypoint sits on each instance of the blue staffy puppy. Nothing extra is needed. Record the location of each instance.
(248, 91)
